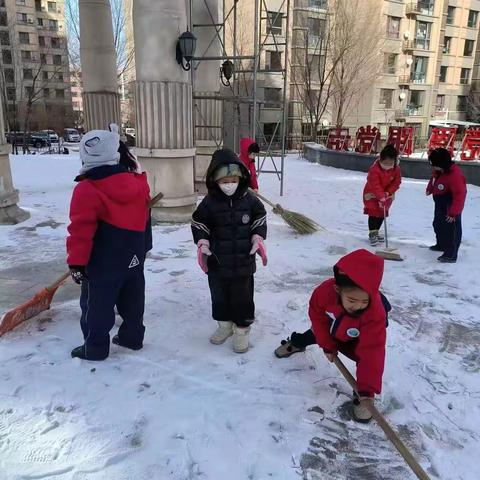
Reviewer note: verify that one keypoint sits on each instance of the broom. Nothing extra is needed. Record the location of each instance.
(42, 299)
(388, 253)
(300, 223)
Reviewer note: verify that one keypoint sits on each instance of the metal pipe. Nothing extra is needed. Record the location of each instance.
(257, 33)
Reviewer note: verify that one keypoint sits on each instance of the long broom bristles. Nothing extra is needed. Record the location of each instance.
(299, 222)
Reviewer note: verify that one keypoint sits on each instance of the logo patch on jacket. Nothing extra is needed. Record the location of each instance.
(134, 262)
(440, 186)
(245, 219)
(353, 332)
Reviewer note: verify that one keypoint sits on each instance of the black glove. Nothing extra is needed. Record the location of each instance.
(77, 272)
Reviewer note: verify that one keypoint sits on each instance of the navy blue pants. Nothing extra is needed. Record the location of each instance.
(449, 235)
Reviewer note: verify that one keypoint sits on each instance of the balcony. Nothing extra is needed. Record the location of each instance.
(420, 8)
(414, 78)
(410, 111)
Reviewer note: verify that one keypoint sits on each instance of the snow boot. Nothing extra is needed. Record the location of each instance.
(373, 236)
(223, 331)
(116, 341)
(240, 339)
(435, 248)
(380, 237)
(286, 349)
(444, 259)
(360, 411)
(79, 352)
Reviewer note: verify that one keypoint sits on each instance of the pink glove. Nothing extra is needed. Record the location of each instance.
(383, 200)
(259, 247)
(203, 252)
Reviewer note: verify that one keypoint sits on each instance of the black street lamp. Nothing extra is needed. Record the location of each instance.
(226, 71)
(186, 45)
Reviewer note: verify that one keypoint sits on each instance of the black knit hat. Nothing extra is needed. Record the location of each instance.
(440, 157)
(253, 148)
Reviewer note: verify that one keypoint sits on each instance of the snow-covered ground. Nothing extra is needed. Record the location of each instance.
(184, 409)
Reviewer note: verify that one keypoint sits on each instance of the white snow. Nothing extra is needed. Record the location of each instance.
(184, 409)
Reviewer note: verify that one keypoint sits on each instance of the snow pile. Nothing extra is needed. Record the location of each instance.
(182, 408)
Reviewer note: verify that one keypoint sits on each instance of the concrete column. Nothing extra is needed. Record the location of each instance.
(101, 101)
(163, 94)
(10, 213)
(208, 111)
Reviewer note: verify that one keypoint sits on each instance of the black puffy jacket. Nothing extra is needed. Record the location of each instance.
(229, 222)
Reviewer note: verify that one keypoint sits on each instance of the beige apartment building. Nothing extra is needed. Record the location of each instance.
(34, 64)
(428, 62)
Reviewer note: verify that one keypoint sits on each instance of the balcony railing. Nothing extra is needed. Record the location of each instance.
(420, 77)
(410, 111)
(420, 8)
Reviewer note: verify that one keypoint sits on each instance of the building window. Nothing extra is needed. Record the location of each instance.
(9, 75)
(443, 73)
(390, 63)
(26, 56)
(274, 23)
(22, 17)
(38, 5)
(426, 7)
(60, 77)
(419, 70)
(55, 41)
(386, 97)
(415, 105)
(468, 48)
(3, 19)
(60, 93)
(27, 74)
(447, 45)
(316, 31)
(41, 41)
(462, 103)
(11, 93)
(422, 36)
(40, 22)
(7, 57)
(323, 4)
(20, 2)
(4, 38)
(52, 6)
(45, 75)
(46, 92)
(272, 97)
(273, 61)
(53, 24)
(24, 38)
(57, 59)
(393, 27)
(43, 59)
(440, 103)
(472, 19)
(465, 76)
(450, 15)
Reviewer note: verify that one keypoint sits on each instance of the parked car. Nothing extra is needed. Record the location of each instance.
(52, 135)
(71, 135)
(36, 140)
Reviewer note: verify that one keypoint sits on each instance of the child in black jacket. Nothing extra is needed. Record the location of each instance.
(229, 227)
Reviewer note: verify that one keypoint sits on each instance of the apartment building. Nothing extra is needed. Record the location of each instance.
(428, 60)
(34, 64)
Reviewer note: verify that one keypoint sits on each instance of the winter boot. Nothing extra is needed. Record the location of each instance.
(373, 236)
(444, 259)
(380, 236)
(436, 248)
(287, 348)
(131, 346)
(240, 339)
(360, 411)
(223, 331)
(79, 352)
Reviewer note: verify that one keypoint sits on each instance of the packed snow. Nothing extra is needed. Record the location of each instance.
(184, 409)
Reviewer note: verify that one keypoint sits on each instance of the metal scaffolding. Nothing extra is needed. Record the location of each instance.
(267, 34)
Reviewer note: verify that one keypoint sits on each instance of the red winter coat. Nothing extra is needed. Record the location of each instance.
(119, 200)
(360, 338)
(451, 183)
(249, 163)
(380, 182)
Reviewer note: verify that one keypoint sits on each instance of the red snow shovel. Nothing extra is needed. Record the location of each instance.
(42, 299)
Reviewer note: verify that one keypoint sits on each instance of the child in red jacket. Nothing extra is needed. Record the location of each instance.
(449, 190)
(106, 247)
(349, 315)
(248, 151)
(383, 180)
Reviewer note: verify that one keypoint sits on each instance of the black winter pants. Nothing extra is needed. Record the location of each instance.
(97, 301)
(375, 223)
(232, 299)
(449, 235)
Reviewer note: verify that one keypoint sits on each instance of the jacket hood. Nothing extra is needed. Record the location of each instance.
(244, 144)
(221, 158)
(363, 268)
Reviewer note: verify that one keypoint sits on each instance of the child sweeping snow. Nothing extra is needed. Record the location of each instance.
(449, 190)
(349, 315)
(229, 227)
(248, 151)
(383, 180)
(106, 246)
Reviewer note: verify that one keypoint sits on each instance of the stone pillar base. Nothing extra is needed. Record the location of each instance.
(10, 213)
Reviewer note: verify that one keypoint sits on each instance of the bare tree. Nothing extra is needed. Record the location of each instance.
(473, 106)
(357, 45)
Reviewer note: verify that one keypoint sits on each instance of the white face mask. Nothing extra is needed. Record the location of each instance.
(228, 188)
(385, 167)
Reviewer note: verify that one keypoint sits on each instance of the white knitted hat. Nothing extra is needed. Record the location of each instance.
(99, 148)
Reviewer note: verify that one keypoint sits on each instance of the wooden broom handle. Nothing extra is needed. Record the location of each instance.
(155, 199)
(384, 425)
(261, 197)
